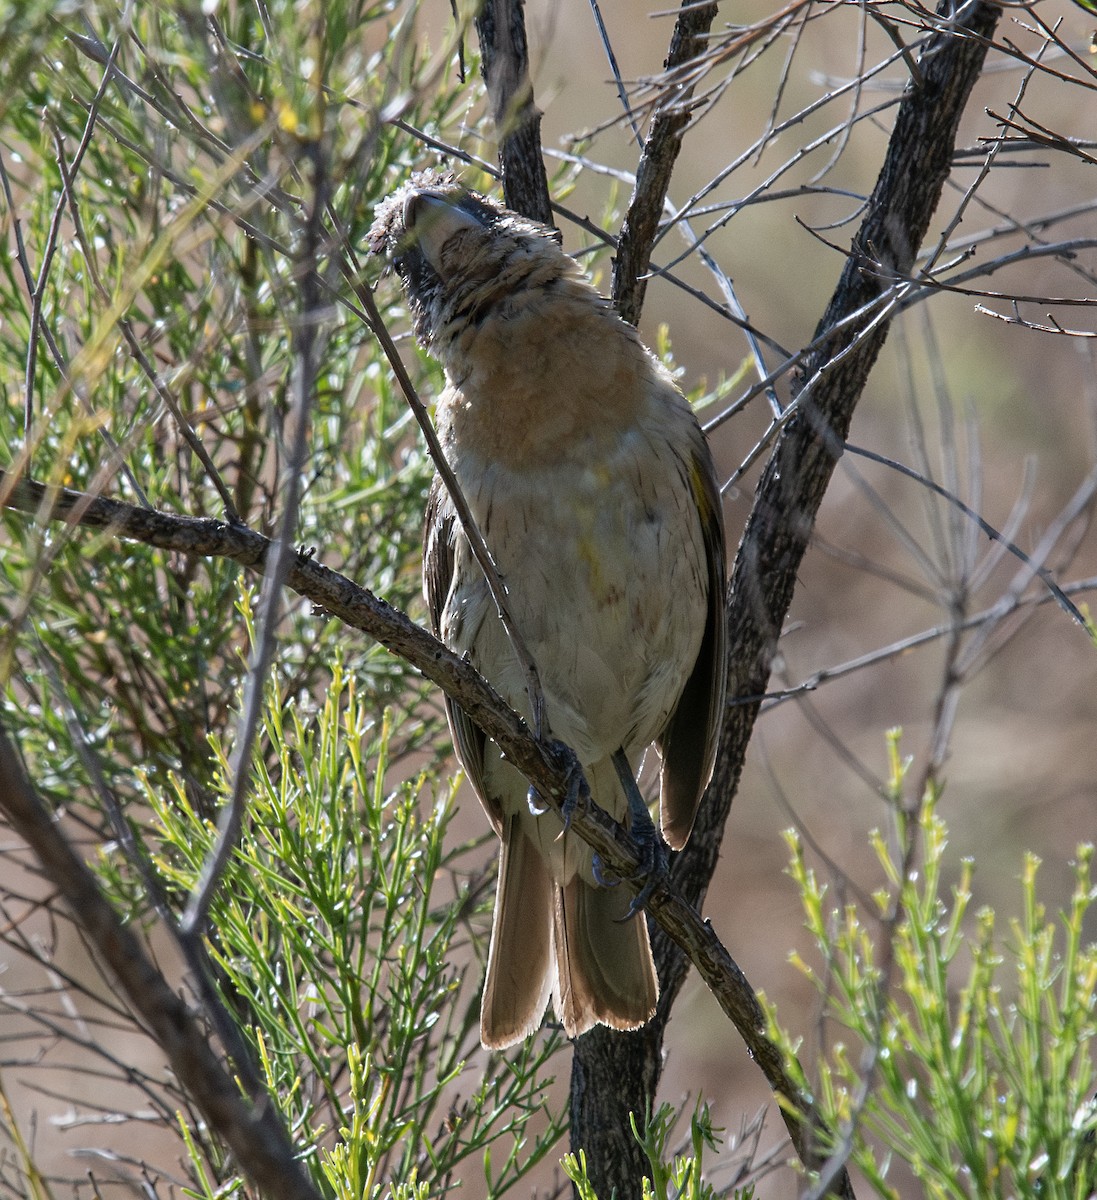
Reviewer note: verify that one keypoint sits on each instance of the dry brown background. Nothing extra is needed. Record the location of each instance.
(1023, 761)
(1022, 772)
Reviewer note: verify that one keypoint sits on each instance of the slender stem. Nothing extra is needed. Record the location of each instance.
(306, 353)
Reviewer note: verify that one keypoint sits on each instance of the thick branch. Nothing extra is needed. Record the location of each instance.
(504, 55)
(792, 486)
(327, 589)
(656, 166)
(549, 766)
(783, 515)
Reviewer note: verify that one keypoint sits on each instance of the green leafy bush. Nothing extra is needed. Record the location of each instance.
(963, 1053)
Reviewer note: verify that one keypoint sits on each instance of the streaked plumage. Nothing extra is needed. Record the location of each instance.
(590, 480)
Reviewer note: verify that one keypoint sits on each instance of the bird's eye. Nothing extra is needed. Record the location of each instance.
(400, 265)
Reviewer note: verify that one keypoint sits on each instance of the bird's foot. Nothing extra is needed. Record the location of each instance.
(575, 789)
(601, 878)
(648, 840)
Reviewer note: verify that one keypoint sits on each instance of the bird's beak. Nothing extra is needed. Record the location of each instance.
(430, 220)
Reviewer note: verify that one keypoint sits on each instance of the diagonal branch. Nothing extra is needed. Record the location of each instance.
(254, 1133)
(656, 166)
(549, 766)
(832, 379)
(305, 349)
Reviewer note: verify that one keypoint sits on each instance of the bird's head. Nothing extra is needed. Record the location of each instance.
(462, 256)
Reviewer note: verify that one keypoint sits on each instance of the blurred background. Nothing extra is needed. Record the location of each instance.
(1002, 415)
(1008, 413)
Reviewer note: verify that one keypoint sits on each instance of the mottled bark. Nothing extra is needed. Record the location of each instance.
(617, 1074)
(504, 55)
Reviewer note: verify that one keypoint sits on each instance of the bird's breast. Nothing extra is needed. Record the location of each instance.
(572, 447)
(604, 570)
(552, 380)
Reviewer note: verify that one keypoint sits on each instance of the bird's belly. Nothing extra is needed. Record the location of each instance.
(606, 584)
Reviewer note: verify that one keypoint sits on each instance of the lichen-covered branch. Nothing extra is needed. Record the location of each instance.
(657, 161)
(504, 53)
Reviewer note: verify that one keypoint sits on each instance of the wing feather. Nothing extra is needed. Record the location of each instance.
(688, 744)
(441, 533)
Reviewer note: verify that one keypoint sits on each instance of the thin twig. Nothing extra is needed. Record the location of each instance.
(305, 360)
(1031, 561)
(755, 149)
(1053, 327)
(194, 950)
(902, 647)
(480, 551)
(615, 71)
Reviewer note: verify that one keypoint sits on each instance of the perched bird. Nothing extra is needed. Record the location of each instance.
(590, 481)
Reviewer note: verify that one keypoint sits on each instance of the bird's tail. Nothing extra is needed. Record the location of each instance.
(520, 971)
(603, 957)
(605, 970)
(574, 942)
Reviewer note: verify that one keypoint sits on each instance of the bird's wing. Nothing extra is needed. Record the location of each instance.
(440, 535)
(688, 744)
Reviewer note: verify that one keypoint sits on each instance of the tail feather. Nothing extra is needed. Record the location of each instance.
(520, 974)
(603, 955)
(573, 941)
(606, 972)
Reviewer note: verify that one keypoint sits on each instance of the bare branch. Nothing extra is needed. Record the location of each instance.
(656, 165)
(1054, 327)
(254, 1133)
(1032, 563)
(501, 28)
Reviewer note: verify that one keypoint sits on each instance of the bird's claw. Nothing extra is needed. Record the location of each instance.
(577, 788)
(653, 868)
(598, 870)
(649, 842)
(653, 865)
